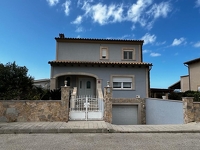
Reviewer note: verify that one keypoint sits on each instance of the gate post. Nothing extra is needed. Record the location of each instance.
(108, 104)
(188, 109)
(65, 100)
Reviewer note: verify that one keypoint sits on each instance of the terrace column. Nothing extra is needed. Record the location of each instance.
(188, 109)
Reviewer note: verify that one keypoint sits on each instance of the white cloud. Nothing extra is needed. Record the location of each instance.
(133, 27)
(197, 3)
(79, 3)
(155, 54)
(78, 20)
(160, 43)
(177, 42)
(99, 13)
(115, 12)
(127, 36)
(197, 44)
(52, 2)
(79, 29)
(66, 6)
(104, 14)
(160, 10)
(144, 12)
(146, 51)
(148, 38)
(134, 13)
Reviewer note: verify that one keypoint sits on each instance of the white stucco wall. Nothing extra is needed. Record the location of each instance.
(160, 111)
(91, 51)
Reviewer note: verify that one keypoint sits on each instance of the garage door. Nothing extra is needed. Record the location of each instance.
(125, 114)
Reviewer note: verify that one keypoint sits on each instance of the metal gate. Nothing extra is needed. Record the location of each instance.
(86, 108)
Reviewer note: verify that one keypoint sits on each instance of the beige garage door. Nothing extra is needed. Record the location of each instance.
(125, 114)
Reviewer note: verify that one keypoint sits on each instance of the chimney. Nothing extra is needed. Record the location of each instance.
(61, 35)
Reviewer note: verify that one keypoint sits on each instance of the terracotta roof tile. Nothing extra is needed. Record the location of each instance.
(98, 62)
(96, 39)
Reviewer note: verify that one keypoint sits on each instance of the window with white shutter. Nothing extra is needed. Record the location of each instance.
(103, 53)
(123, 82)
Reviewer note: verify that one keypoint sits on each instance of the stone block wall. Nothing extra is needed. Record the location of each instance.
(23, 111)
(36, 110)
(191, 110)
(196, 111)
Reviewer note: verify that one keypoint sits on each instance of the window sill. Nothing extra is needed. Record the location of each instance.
(114, 89)
(104, 59)
(128, 60)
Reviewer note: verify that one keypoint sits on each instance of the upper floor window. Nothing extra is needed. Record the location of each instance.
(123, 82)
(128, 54)
(103, 53)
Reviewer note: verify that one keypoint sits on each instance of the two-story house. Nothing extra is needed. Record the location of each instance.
(192, 80)
(90, 64)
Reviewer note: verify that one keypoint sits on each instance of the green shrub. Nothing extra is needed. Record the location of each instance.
(175, 95)
(179, 95)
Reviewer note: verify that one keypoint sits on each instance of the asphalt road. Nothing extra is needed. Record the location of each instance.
(115, 141)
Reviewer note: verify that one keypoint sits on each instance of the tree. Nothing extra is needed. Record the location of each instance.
(15, 83)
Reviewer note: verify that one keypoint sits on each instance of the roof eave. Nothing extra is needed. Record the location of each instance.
(192, 61)
(88, 40)
(101, 63)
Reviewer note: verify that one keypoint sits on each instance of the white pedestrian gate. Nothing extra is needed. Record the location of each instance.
(86, 108)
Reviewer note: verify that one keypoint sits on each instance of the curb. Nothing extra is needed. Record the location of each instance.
(46, 131)
(180, 131)
(50, 131)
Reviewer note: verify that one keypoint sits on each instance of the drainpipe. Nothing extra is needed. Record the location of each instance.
(189, 76)
(141, 53)
(150, 67)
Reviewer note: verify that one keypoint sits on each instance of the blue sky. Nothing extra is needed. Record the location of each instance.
(171, 30)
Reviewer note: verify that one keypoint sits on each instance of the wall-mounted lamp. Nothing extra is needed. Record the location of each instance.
(108, 84)
(108, 89)
(65, 82)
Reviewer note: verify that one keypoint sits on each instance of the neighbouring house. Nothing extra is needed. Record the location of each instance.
(184, 83)
(91, 64)
(176, 87)
(160, 93)
(192, 80)
(43, 83)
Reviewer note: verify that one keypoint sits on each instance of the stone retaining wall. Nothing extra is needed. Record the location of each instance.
(23, 111)
(196, 111)
(191, 110)
(36, 110)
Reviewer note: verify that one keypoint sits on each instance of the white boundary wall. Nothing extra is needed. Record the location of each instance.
(161, 111)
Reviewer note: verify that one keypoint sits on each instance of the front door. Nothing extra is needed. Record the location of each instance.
(86, 86)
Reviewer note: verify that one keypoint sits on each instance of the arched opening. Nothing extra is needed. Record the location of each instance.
(86, 85)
